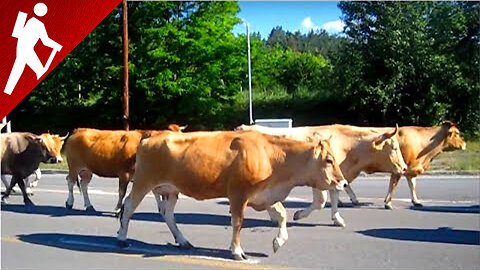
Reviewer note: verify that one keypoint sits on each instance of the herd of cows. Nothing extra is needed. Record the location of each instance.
(252, 166)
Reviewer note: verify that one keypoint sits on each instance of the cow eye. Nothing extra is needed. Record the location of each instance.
(329, 161)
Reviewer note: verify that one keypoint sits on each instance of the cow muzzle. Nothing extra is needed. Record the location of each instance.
(341, 185)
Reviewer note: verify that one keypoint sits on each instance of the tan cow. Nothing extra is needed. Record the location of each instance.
(357, 149)
(419, 145)
(107, 153)
(248, 168)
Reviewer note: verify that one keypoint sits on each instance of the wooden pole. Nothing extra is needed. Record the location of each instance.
(126, 116)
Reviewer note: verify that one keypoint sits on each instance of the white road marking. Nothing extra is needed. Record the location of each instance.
(289, 198)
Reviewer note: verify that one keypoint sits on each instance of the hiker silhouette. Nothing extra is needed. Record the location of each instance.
(28, 35)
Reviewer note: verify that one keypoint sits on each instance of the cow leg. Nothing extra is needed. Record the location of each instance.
(126, 211)
(160, 202)
(351, 194)
(319, 200)
(4, 181)
(85, 178)
(337, 219)
(21, 184)
(9, 189)
(279, 213)
(33, 182)
(169, 201)
(123, 181)
(391, 188)
(412, 184)
(71, 180)
(237, 209)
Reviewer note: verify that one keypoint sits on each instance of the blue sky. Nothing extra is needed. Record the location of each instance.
(292, 16)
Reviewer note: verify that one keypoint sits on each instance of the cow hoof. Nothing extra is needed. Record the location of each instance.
(417, 204)
(356, 203)
(90, 209)
(186, 245)
(29, 203)
(339, 223)
(123, 244)
(277, 244)
(388, 207)
(68, 206)
(297, 214)
(239, 257)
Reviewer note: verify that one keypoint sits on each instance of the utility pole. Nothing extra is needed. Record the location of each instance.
(126, 116)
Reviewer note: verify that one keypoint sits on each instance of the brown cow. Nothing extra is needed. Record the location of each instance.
(54, 143)
(20, 155)
(107, 153)
(248, 168)
(357, 149)
(419, 145)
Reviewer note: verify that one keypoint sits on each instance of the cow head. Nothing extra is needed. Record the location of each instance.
(330, 175)
(53, 144)
(389, 156)
(453, 140)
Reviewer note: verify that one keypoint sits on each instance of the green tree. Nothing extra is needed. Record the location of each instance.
(400, 64)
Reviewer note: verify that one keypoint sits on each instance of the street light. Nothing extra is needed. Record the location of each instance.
(247, 25)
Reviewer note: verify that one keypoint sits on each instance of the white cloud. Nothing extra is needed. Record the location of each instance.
(333, 27)
(307, 23)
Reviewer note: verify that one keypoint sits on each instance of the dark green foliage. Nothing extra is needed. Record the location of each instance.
(399, 62)
(406, 62)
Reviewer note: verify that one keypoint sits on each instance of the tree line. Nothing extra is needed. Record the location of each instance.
(411, 63)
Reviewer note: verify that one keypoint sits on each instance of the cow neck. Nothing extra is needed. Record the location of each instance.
(299, 156)
(432, 145)
(357, 160)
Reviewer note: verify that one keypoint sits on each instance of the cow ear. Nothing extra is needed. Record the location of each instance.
(378, 143)
(317, 137)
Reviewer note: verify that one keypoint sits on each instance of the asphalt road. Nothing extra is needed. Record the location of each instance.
(444, 234)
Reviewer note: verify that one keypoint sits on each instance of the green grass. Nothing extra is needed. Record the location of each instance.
(56, 166)
(467, 160)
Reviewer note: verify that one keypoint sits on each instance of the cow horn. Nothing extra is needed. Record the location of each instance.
(64, 137)
(389, 135)
(183, 127)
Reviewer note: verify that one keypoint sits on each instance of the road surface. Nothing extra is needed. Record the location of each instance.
(444, 234)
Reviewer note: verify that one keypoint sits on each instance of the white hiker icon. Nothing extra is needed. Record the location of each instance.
(28, 36)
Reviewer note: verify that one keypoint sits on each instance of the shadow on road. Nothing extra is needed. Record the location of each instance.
(440, 235)
(93, 243)
(300, 204)
(52, 211)
(217, 220)
(181, 218)
(470, 209)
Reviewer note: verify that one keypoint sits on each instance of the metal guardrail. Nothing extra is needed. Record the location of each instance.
(275, 123)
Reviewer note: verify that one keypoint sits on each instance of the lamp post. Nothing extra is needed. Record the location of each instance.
(247, 25)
